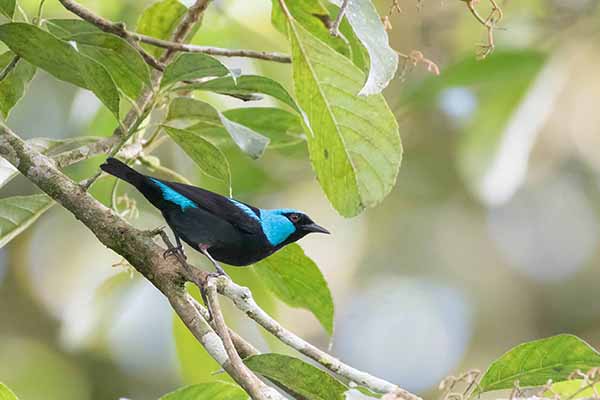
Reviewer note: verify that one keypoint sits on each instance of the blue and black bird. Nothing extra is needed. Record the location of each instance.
(221, 228)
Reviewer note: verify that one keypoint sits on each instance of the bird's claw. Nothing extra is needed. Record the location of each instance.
(175, 251)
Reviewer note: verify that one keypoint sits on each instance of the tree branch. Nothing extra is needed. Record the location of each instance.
(335, 28)
(172, 45)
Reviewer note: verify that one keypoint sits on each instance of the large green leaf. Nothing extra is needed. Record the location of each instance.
(314, 17)
(19, 212)
(297, 281)
(124, 63)
(6, 393)
(208, 391)
(534, 363)
(247, 85)
(366, 23)
(7, 7)
(206, 155)
(192, 66)
(159, 20)
(60, 59)
(185, 111)
(64, 28)
(354, 142)
(300, 377)
(282, 127)
(13, 86)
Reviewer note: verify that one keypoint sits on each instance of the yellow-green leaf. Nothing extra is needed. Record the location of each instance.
(300, 377)
(192, 66)
(353, 141)
(7, 7)
(13, 86)
(6, 393)
(159, 20)
(296, 280)
(534, 363)
(208, 391)
(19, 212)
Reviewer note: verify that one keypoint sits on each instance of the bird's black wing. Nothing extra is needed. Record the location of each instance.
(240, 215)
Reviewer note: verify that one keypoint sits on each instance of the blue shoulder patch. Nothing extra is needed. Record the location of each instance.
(174, 196)
(276, 226)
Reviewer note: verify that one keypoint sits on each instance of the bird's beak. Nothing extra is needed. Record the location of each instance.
(315, 228)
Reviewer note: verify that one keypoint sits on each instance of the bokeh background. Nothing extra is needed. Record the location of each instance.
(489, 239)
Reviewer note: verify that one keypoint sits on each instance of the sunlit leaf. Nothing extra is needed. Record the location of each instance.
(60, 59)
(121, 60)
(208, 391)
(572, 389)
(366, 23)
(296, 280)
(354, 145)
(193, 66)
(7, 7)
(314, 17)
(184, 111)
(282, 127)
(13, 86)
(247, 85)
(206, 155)
(300, 377)
(19, 212)
(159, 20)
(534, 363)
(6, 393)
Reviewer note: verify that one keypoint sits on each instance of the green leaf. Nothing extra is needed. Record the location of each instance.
(13, 86)
(282, 127)
(184, 111)
(64, 28)
(366, 23)
(19, 212)
(572, 389)
(192, 66)
(296, 280)
(207, 156)
(354, 145)
(208, 391)
(7, 7)
(534, 363)
(60, 59)
(124, 64)
(302, 378)
(6, 393)
(313, 17)
(247, 85)
(159, 20)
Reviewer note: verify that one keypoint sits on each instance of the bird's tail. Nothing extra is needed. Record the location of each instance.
(121, 170)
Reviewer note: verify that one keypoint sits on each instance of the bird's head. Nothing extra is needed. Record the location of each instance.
(284, 226)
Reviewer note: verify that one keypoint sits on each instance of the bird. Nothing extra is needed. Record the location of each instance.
(221, 228)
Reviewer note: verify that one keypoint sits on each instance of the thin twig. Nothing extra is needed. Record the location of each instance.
(253, 386)
(335, 28)
(172, 45)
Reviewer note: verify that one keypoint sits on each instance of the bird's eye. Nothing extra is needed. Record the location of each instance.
(294, 218)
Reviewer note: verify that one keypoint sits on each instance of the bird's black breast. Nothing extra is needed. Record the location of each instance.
(225, 241)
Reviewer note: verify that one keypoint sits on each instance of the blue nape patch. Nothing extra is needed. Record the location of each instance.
(173, 196)
(247, 210)
(276, 226)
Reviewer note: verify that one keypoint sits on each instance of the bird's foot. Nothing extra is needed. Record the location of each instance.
(175, 251)
(155, 231)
